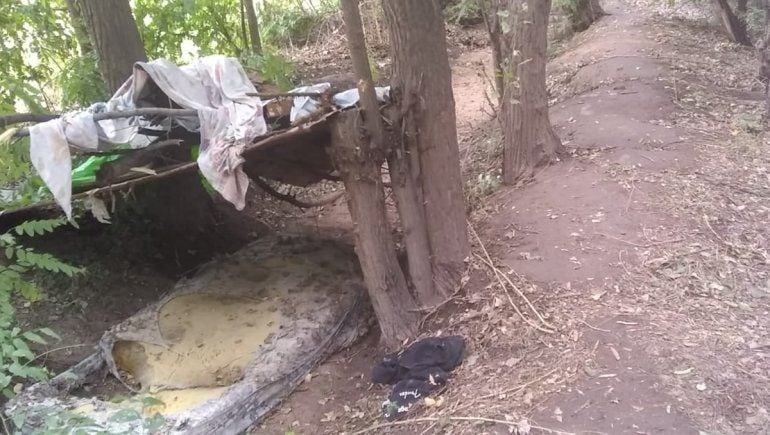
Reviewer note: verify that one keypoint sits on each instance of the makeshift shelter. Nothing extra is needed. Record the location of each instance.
(242, 133)
(305, 297)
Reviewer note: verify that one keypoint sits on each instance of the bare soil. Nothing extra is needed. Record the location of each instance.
(644, 250)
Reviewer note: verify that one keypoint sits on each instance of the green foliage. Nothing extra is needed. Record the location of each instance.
(463, 12)
(273, 68)
(286, 23)
(81, 82)
(568, 8)
(204, 26)
(16, 358)
(133, 418)
(38, 46)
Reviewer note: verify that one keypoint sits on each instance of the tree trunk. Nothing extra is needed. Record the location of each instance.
(81, 33)
(586, 13)
(530, 140)
(735, 28)
(489, 9)
(410, 212)
(763, 55)
(115, 37)
(251, 16)
(742, 7)
(359, 166)
(421, 88)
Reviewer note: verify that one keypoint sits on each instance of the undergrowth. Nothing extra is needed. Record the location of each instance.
(17, 361)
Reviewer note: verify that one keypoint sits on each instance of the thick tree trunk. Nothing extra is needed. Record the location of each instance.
(251, 16)
(421, 88)
(735, 28)
(530, 140)
(410, 211)
(115, 37)
(586, 13)
(359, 166)
(81, 33)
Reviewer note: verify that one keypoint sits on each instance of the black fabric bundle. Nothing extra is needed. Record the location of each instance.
(417, 372)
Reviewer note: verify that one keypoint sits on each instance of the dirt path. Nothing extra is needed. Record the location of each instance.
(603, 223)
(662, 315)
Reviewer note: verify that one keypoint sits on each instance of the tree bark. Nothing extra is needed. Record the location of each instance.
(81, 33)
(489, 9)
(742, 7)
(115, 37)
(530, 140)
(359, 166)
(410, 212)
(421, 88)
(586, 13)
(735, 28)
(763, 55)
(251, 17)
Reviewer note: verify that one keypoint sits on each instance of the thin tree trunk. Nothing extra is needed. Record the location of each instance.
(410, 212)
(244, 32)
(115, 37)
(421, 88)
(763, 55)
(530, 140)
(489, 9)
(359, 166)
(81, 33)
(251, 16)
(735, 28)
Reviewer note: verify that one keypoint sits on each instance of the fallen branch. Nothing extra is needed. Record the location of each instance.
(157, 111)
(286, 94)
(647, 245)
(512, 424)
(293, 200)
(548, 329)
(507, 391)
(17, 118)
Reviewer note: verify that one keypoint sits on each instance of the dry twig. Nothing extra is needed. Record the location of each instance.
(547, 328)
(471, 419)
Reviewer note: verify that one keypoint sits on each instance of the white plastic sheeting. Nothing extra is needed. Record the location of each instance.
(215, 86)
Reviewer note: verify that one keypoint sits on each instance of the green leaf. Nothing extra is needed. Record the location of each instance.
(29, 291)
(49, 332)
(18, 419)
(31, 336)
(17, 369)
(150, 401)
(5, 380)
(125, 416)
(153, 423)
(22, 350)
(9, 253)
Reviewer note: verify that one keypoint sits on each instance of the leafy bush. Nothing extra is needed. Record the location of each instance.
(286, 23)
(463, 12)
(16, 358)
(81, 82)
(273, 68)
(135, 417)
